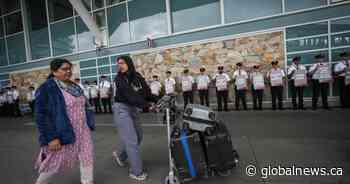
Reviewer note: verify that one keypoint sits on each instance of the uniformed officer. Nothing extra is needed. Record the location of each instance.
(105, 88)
(222, 80)
(2, 103)
(342, 79)
(156, 87)
(31, 98)
(203, 82)
(321, 76)
(187, 82)
(276, 76)
(15, 97)
(258, 86)
(95, 97)
(169, 84)
(240, 77)
(297, 75)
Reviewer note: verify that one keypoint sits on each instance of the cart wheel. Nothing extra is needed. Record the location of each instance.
(175, 180)
(225, 173)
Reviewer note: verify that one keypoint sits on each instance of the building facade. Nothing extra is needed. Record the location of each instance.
(165, 35)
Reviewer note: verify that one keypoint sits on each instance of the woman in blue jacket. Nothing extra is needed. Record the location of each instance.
(132, 92)
(64, 125)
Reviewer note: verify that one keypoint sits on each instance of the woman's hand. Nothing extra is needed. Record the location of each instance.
(55, 145)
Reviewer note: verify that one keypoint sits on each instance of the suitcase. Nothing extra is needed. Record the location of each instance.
(199, 118)
(188, 155)
(221, 157)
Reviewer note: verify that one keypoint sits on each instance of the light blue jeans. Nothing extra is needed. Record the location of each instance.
(130, 133)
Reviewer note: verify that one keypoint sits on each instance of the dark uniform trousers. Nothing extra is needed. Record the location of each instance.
(188, 97)
(277, 95)
(107, 105)
(204, 97)
(318, 88)
(297, 92)
(257, 98)
(240, 97)
(222, 97)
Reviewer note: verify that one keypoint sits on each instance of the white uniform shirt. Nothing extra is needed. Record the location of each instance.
(93, 91)
(241, 78)
(31, 96)
(319, 68)
(155, 86)
(2, 99)
(104, 87)
(221, 81)
(169, 86)
(293, 68)
(187, 83)
(9, 97)
(203, 82)
(15, 94)
(86, 90)
(341, 66)
(276, 76)
(257, 79)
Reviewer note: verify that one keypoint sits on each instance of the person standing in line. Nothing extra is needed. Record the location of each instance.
(321, 77)
(105, 94)
(132, 92)
(31, 98)
(64, 126)
(169, 83)
(15, 97)
(258, 86)
(342, 79)
(10, 102)
(203, 82)
(187, 82)
(95, 97)
(221, 83)
(87, 92)
(2, 103)
(240, 77)
(78, 81)
(156, 87)
(296, 74)
(276, 76)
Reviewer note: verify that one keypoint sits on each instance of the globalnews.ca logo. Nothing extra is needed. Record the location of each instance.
(251, 170)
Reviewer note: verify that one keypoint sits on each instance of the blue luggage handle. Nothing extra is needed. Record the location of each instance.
(186, 149)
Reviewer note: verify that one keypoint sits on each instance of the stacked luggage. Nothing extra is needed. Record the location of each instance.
(202, 147)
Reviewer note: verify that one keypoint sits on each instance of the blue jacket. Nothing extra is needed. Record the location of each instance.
(51, 115)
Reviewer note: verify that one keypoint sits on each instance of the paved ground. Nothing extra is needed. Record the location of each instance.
(286, 138)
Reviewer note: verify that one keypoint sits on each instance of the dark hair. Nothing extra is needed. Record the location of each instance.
(155, 76)
(256, 66)
(56, 64)
(319, 56)
(274, 63)
(344, 54)
(296, 58)
(220, 67)
(168, 72)
(186, 71)
(239, 64)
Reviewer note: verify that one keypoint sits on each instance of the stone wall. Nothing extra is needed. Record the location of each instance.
(258, 49)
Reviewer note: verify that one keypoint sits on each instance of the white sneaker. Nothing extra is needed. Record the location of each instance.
(117, 159)
(143, 176)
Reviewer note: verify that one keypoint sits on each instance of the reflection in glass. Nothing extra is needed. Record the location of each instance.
(118, 26)
(85, 36)
(307, 30)
(63, 37)
(59, 9)
(189, 15)
(13, 23)
(340, 25)
(16, 49)
(147, 18)
(3, 57)
(292, 5)
(307, 44)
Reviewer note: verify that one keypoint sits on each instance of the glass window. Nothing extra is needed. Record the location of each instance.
(1, 28)
(87, 4)
(147, 18)
(96, 4)
(13, 23)
(16, 49)
(38, 30)
(100, 18)
(337, 1)
(3, 57)
(188, 15)
(89, 79)
(104, 70)
(8, 6)
(336, 52)
(307, 44)
(63, 37)
(118, 27)
(114, 69)
(237, 10)
(85, 36)
(4, 77)
(341, 40)
(306, 58)
(88, 63)
(103, 61)
(112, 2)
(340, 25)
(88, 72)
(307, 30)
(60, 9)
(292, 5)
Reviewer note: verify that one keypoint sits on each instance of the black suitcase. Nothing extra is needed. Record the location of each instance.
(190, 165)
(221, 157)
